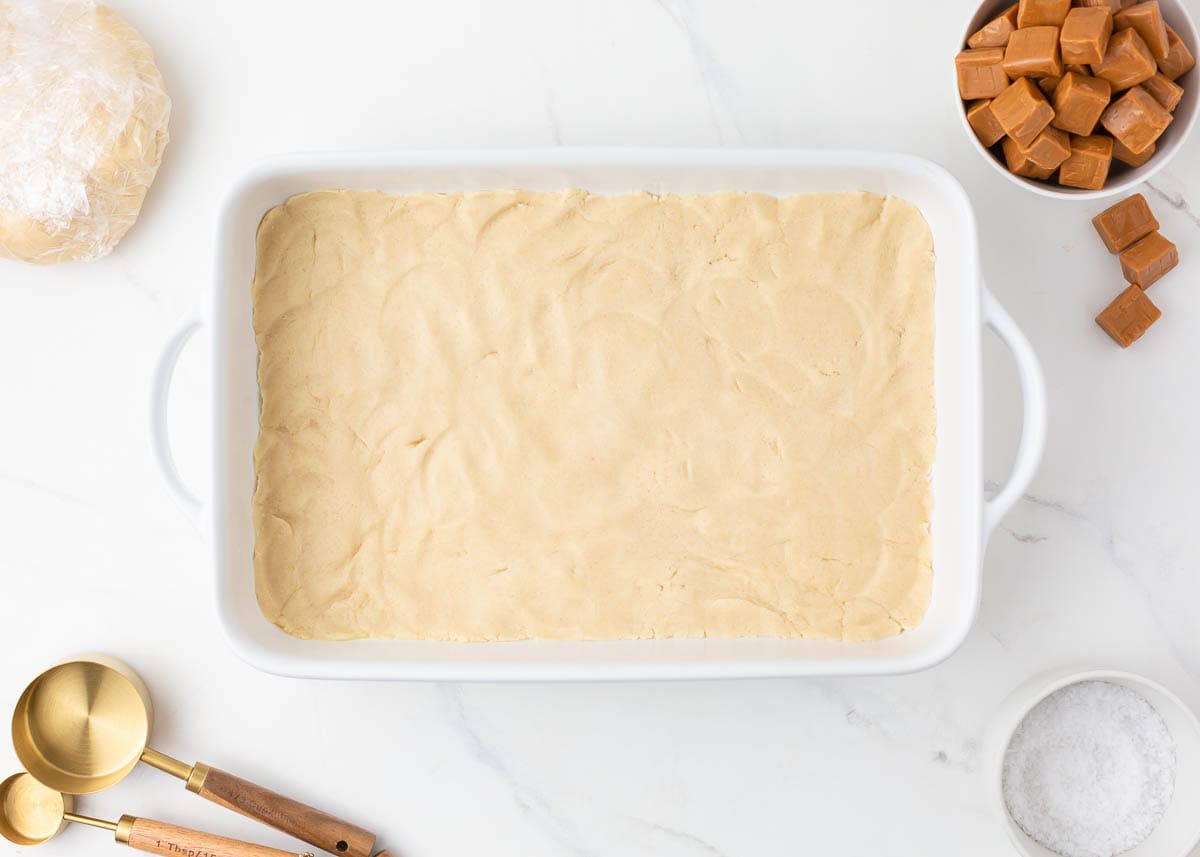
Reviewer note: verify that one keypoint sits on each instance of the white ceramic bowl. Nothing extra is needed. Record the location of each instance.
(1179, 831)
(1121, 177)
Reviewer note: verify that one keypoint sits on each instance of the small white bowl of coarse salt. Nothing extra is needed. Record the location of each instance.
(1096, 763)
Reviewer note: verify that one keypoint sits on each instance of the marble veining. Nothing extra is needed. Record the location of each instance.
(719, 88)
(1173, 196)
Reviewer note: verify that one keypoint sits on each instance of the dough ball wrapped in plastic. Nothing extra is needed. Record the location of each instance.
(83, 125)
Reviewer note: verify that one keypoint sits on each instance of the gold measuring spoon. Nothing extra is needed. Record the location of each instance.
(31, 813)
(83, 725)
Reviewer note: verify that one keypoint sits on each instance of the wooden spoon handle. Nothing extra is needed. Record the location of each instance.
(292, 817)
(167, 840)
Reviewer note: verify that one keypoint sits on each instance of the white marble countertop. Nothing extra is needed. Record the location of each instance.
(1099, 564)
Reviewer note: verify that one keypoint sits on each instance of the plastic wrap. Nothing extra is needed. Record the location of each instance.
(83, 125)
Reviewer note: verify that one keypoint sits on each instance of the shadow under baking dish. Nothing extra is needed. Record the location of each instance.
(959, 509)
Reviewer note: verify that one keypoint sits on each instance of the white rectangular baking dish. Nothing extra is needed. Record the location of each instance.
(961, 521)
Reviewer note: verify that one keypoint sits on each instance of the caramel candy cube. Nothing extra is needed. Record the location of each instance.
(1033, 52)
(1179, 60)
(1084, 36)
(1145, 262)
(1022, 110)
(1048, 85)
(1129, 316)
(981, 73)
(1078, 102)
(1133, 159)
(983, 122)
(1127, 61)
(995, 33)
(1042, 13)
(1165, 91)
(1146, 18)
(1128, 221)
(1018, 162)
(1113, 6)
(1039, 160)
(1087, 167)
(1049, 148)
(1136, 119)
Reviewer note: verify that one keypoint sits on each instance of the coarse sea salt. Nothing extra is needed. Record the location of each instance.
(1090, 770)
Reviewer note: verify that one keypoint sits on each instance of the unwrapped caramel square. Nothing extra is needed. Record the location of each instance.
(995, 33)
(1129, 316)
(1042, 13)
(1078, 102)
(1049, 148)
(1147, 19)
(981, 73)
(1133, 159)
(1033, 52)
(1113, 6)
(1179, 60)
(1128, 221)
(1022, 110)
(1087, 166)
(1020, 160)
(1048, 85)
(983, 122)
(1145, 262)
(1127, 61)
(1085, 33)
(1136, 119)
(1165, 91)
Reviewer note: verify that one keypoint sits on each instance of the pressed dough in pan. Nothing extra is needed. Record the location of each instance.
(514, 415)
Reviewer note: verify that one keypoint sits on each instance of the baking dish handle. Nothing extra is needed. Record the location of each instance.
(1033, 425)
(164, 374)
